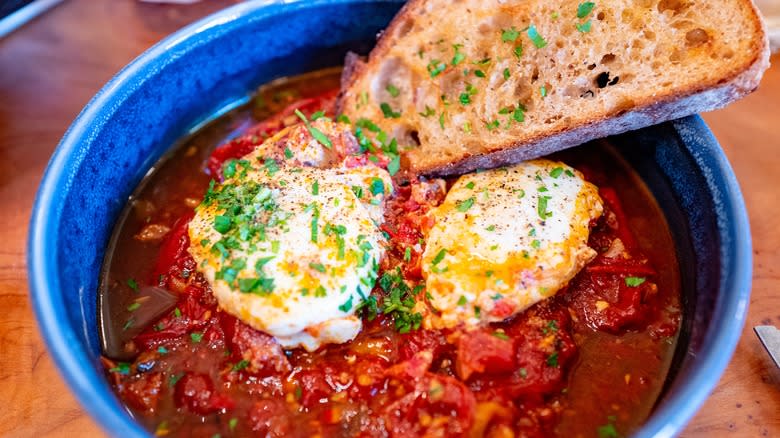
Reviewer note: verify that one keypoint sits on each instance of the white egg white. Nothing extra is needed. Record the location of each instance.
(505, 239)
(303, 246)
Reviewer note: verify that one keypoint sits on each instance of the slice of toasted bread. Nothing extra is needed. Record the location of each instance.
(467, 84)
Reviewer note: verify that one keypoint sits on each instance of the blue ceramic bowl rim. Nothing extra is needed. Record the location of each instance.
(92, 389)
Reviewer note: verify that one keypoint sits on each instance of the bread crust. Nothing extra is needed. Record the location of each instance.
(735, 82)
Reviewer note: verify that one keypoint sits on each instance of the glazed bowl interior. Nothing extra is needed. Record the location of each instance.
(213, 65)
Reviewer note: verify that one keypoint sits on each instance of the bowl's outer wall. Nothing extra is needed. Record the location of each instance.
(191, 75)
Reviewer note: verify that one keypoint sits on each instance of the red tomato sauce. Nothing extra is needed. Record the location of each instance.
(197, 371)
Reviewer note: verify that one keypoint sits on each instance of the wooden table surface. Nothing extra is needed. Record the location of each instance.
(50, 68)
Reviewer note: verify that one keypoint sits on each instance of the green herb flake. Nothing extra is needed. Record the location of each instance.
(607, 431)
(501, 335)
(518, 51)
(232, 424)
(634, 281)
(121, 368)
(177, 312)
(288, 153)
(394, 165)
(388, 112)
(583, 27)
(240, 365)
(428, 112)
(441, 120)
(393, 90)
(223, 224)
(439, 257)
(470, 185)
(347, 306)
(462, 301)
(162, 350)
(584, 9)
(316, 133)
(541, 207)
(407, 254)
(132, 284)
(509, 35)
(479, 73)
(491, 126)
(543, 91)
(435, 67)
(507, 74)
(537, 39)
(555, 173)
(552, 360)
(377, 186)
(315, 188)
(465, 205)
(133, 307)
(196, 337)
(319, 267)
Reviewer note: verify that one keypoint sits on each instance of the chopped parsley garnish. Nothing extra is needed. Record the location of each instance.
(465, 98)
(394, 165)
(584, 9)
(584, 27)
(555, 173)
(537, 39)
(439, 257)
(240, 365)
(342, 118)
(407, 254)
(506, 74)
(317, 115)
(317, 267)
(388, 112)
(462, 301)
(393, 90)
(288, 153)
(509, 35)
(133, 307)
(132, 284)
(222, 224)
(121, 368)
(232, 423)
(543, 91)
(518, 115)
(634, 281)
(315, 218)
(536, 244)
(399, 301)
(501, 335)
(492, 125)
(358, 191)
(541, 207)
(347, 306)
(518, 51)
(479, 73)
(551, 327)
(552, 360)
(491, 228)
(607, 431)
(377, 186)
(441, 120)
(177, 312)
(428, 112)
(470, 185)
(459, 56)
(270, 166)
(465, 205)
(162, 350)
(521, 194)
(316, 133)
(196, 337)
(435, 68)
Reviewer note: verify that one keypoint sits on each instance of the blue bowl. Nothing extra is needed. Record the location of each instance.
(198, 72)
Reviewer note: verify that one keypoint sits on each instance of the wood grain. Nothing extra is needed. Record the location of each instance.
(53, 66)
